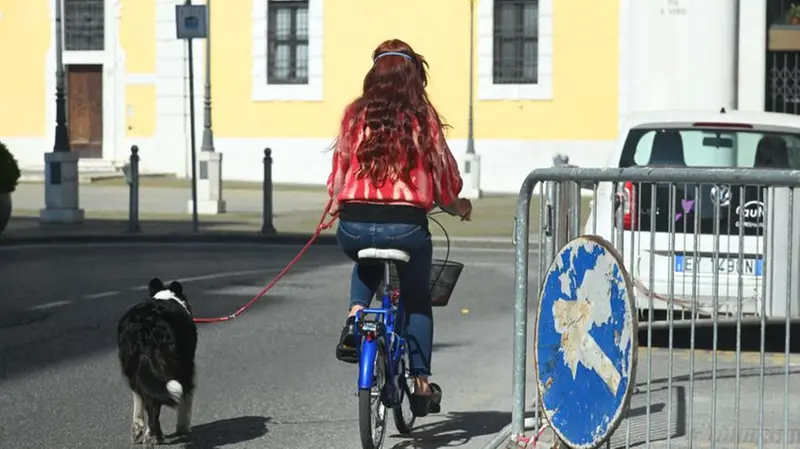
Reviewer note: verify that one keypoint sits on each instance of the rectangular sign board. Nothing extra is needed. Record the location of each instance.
(191, 21)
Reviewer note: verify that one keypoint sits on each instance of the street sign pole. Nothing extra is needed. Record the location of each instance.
(192, 23)
(195, 220)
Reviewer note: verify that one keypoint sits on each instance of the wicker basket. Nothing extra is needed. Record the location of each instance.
(444, 276)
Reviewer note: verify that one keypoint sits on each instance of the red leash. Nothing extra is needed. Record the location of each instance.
(323, 225)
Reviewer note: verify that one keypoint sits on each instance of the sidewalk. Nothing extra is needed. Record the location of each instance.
(164, 214)
(676, 399)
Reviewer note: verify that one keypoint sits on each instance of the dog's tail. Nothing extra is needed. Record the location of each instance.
(169, 392)
(175, 389)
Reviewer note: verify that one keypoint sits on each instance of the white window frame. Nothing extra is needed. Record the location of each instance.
(487, 89)
(112, 59)
(261, 89)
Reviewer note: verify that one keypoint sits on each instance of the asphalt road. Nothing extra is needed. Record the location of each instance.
(269, 379)
(266, 380)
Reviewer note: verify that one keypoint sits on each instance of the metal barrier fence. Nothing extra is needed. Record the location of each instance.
(714, 257)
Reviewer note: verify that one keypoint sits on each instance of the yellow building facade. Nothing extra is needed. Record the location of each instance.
(135, 82)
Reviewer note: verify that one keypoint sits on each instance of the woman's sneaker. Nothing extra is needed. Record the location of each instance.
(421, 405)
(436, 400)
(346, 350)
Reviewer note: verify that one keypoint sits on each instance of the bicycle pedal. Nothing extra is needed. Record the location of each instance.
(347, 355)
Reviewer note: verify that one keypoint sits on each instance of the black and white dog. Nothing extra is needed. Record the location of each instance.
(157, 340)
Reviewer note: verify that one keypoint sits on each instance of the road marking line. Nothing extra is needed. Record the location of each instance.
(49, 305)
(252, 290)
(23, 246)
(208, 277)
(455, 248)
(486, 264)
(267, 270)
(101, 295)
(108, 294)
(235, 290)
(477, 249)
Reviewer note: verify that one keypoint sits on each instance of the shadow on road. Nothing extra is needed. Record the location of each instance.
(441, 346)
(725, 373)
(633, 428)
(49, 316)
(456, 429)
(774, 336)
(224, 432)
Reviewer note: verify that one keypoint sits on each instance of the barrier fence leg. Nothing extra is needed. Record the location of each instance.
(521, 307)
(548, 195)
(132, 176)
(267, 227)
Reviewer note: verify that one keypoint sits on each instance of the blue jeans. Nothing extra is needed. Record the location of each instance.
(414, 279)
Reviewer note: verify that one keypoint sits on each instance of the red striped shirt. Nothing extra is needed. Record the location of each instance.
(440, 185)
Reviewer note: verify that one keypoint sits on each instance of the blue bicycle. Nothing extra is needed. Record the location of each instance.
(383, 377)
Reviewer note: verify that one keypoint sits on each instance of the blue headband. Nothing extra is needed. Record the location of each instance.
(392, 53)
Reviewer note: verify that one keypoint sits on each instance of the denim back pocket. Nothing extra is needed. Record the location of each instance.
(355, 231)
(398, 231)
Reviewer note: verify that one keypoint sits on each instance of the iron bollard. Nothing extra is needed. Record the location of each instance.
(267, 227)
(132, 176)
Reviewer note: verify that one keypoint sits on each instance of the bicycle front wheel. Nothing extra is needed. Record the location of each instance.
(371, 407)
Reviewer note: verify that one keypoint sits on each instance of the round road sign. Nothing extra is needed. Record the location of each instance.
(585, 343)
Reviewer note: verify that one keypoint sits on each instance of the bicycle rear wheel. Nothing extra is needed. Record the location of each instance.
(403, 417)
(371, 407)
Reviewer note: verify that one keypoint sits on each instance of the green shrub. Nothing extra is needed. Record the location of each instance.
(9, 170)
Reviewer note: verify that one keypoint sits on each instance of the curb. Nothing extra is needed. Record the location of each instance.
(222, 237)
(501, 438)
(286, 238)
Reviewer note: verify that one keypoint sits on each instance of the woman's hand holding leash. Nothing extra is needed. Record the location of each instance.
(464, 208)
(332, 208)
(461, 207)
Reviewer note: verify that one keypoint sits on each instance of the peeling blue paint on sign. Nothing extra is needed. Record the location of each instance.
(586, 342)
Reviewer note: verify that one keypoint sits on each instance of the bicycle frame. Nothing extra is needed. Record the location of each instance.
(387, 328)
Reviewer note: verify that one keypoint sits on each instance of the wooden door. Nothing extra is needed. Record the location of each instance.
(85, 109)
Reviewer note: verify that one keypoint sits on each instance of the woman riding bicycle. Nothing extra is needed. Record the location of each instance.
(391, 165)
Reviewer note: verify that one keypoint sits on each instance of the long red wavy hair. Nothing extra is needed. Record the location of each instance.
(392, 126)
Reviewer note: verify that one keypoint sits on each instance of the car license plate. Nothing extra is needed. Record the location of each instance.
(724, 265)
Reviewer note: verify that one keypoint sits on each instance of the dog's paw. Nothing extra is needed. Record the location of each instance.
(137, 433)
(151, 439)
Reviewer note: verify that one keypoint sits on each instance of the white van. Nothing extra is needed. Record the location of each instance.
(696, 213)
